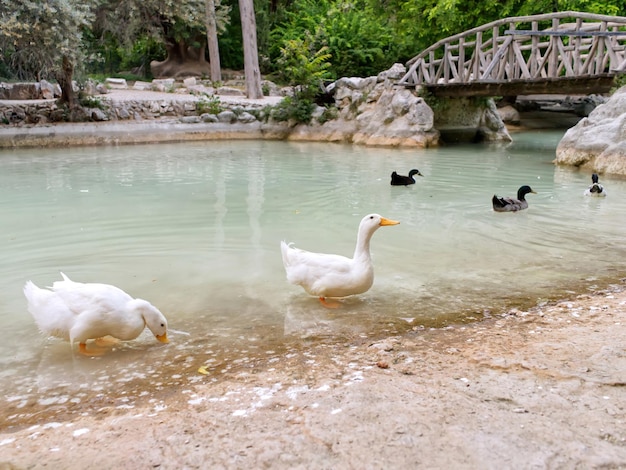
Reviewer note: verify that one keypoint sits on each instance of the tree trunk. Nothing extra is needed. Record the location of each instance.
(64, 77)
(250, 50)
(182, 61)
(211, 37)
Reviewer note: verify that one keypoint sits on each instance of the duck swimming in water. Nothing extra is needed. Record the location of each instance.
(401, 180)
(509, 204)
(596, 189)
(328, 275)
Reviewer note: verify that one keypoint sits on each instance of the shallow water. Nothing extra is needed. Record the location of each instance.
(195, 229)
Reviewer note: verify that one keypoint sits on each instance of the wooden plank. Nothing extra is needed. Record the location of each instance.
(546, 32)
(521, 62)
(569, 86)
(593, 44)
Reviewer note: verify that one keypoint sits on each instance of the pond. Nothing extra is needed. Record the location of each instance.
(195, 229)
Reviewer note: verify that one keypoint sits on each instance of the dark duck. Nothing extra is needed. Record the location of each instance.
(596, 188)
(509, 204)
(401, 180)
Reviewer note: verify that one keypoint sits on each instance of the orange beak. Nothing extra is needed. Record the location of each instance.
(384, 221)
(163, 338)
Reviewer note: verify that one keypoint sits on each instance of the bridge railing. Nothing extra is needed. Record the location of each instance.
(555, 45)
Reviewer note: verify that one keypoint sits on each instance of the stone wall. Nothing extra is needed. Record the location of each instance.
(368, 111)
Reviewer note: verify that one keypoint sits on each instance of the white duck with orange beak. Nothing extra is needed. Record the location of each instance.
(78, 312)
(329, 275)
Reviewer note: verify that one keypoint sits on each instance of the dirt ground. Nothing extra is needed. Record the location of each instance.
(544, 388)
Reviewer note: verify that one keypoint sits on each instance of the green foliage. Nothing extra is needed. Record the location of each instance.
(293, 109)
(360, 41)
(138, 57)
(87, 101)
(300, 65)
(329, 114)
(618, 82)
(209, 104)
(36, 36)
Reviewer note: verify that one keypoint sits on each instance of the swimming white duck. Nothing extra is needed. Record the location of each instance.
(596, 189)
(510, 204)
(328, 275)
(78, 312)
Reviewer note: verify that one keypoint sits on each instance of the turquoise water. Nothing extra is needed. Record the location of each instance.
(195, 229)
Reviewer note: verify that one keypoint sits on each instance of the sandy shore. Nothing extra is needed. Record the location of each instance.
(544, 388)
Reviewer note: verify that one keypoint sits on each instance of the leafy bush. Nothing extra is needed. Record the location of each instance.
(209, 104)
(87, 101)
(292, 109)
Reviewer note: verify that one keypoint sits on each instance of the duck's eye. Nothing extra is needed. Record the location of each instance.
(371, 217)
(162, 324)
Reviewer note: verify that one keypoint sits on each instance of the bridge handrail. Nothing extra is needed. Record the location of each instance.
(618, 20)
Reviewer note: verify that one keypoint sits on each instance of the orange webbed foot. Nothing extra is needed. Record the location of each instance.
(329, 304)
(82, 348)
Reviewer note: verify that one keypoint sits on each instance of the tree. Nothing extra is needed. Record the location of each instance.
(211, 36)
(250, 50)
(181, 25)
(44, 39)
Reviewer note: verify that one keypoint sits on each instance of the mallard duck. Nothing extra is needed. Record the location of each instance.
(401, 180)
(328, 275)
(509, 204)
(596, 189)
(78, 312)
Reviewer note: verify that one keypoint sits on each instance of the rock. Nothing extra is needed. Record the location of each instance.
(48, 90)
(98, 115)
(89, 87)
(470, 119)
(246, 117)
(509, 114)
(270, 88)
(123, 113)
(396, 72)
(116, 83)
(163, 84)
(225, 90)
(139, 85)
(190, 119)
(227, 116)
(24, 91)
(201, 90)
(597, 141)
(207, 117)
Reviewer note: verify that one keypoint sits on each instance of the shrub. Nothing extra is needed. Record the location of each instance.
(209, 104)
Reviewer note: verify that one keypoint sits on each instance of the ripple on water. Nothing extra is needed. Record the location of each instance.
(195, 229)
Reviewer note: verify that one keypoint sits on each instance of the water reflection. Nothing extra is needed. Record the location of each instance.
(195, 229)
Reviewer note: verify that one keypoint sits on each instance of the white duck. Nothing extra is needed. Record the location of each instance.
(328, 275)
(78, 312)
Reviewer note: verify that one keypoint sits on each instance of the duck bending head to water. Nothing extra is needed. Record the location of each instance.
(509, 204)
(401, 180)
(329, 275)
(75, 311)
(596, 189)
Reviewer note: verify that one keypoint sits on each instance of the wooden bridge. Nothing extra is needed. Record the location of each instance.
(557, 53)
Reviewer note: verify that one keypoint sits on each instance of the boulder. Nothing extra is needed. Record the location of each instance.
(597, 141)
(117, 83)
(24, 91)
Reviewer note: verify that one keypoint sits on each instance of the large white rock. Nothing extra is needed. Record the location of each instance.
(598, 142)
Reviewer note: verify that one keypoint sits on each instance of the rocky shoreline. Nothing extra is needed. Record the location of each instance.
(541, 388)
